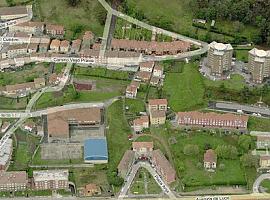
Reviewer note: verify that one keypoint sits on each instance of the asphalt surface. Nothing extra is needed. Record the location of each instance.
(256, 185)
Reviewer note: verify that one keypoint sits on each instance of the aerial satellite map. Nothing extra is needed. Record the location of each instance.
(135, 99)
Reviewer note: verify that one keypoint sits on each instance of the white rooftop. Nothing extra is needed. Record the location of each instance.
(259, 53)
(220, 48)
(5, 152)
(45, 175)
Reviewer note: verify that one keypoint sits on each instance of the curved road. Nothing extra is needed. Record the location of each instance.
(258, 181)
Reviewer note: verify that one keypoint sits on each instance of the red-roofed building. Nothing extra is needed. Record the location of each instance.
(147, 66)
(55, 30)
(140, 123)
(131, 92)
(142, 148)
(158, 104)
(143, 76)
(210, 160)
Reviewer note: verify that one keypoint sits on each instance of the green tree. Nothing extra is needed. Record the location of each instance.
(245, 143)
(191, 149)
(248, 160)
(226, 152)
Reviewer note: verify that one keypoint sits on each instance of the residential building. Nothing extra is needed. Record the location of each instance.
(131, 91)
(44, 45)
(264, 161)
(29, 126)
(210, 160)
(143, 76)
(64, 46)
(14, 12)
(219, 58)
(84, 84)
(158, 71)
(142, 148)
(126, 163)
(32, 48)
(157, 117)
(50, 179)
(5, 126)
(158, 104)
(263, 142)
(6, 154)
(55, 46)
(259, 65)
(55, 30)
(88, 40)
(54, 79)
(96, 151)
(154, 81)
(163, 166)
(76, 46)
(15, 50)
(135, 84)
(212, 120)
(21, 89)
(28, 27)
(60, 122)
(147, 66)
(13, 181)
(140, 123)
(39, 83)
(91, 190)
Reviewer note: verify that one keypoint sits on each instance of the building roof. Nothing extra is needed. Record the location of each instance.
(143, 75)
(91, 186)
(152, 102)
(39, 80)
(158, 67)
(264, 157)
(15, 10)
(131, 89)
(33, 46)
(17, 46)
(18, 177)
(64, 44)
(259, 53)
(76, 44)
(126, 160)
(148, 65)
(158, 113)
(58, 122)
(32, 24)
(88, 35)
(263, 138)
(45, 175)
(210, 156)
(20, 86)
(212, 115)
(95, 149)
(139, 145)
(140, 121)
(55, 43)
(154, 80)
(220, 47)
(54, 27)
(135, 84)
(162, 162)
(5, 152)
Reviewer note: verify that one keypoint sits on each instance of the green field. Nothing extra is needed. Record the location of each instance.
(76, 21)
(242, 55)
(266, 185)
(185, 91)
(258, 124)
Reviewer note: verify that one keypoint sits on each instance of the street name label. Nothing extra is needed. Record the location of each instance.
(14, 40)
(7, 24)
(213, 198)
(73, 60)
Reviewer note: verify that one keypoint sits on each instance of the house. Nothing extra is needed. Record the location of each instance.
(60, 122)
(33, 47)
(157, 117)
(55, 30)
(141, 123)
(15, 50)
(263, 142)
(6, 154)
(135, 84)
(14, 12)
(265, 161)
(54, 79)
(142, 148)
(158, 71)
(29, 126)
(64, 46)
(91, 190)
(147, 66)
(76, 46)
(96, 151)
(143, 76)
(13, 181)
(154, 81)
(210, 160)
(44, 45)
(50, 179)
(5, 126)
(55, 46)
(39, 83)
(125, 163)
(163, 166)
(131, 92)
(212, 120)
(84, 84)
(88, 40)
(158, 104)
(28, 27)
(20, 89)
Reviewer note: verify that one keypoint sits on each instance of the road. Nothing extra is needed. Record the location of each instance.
(130, 177)
(258, 181)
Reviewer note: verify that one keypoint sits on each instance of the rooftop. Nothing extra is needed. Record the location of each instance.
(157, 113)
(126, 159)
(44, 175)
(157, 102)
(18, 177)
(16, 10)
(95, 149)
(210, 156)
(140, 121)
(139, 145)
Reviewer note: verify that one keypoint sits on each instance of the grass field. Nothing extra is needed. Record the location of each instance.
(258, 124)
(266, 185)
(75, 19)
(185, 90)
(242, 55)
(12, 104)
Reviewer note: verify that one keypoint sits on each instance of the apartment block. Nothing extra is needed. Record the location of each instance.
(28, 27)
(13, 181)
(259, 65)
(158, 104)
(50, 179)
(219, 58)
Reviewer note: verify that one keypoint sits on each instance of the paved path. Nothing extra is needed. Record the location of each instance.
(258, 181)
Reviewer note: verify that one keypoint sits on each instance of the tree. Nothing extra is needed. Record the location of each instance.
(245, 142)
(248, 160)
(226, 152)
(238, 26)
(113, 179)
(191, 150)
(73, 2)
